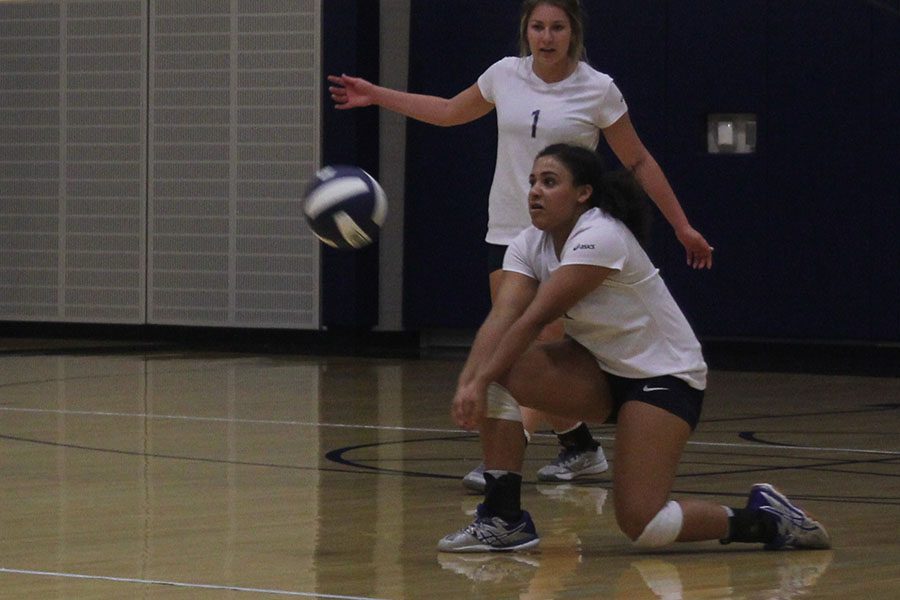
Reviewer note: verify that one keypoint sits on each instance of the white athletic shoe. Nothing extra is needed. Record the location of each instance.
(565, 467)
(574, 463)
(474, 479)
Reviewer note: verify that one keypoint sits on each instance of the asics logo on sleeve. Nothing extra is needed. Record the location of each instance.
(583, 247)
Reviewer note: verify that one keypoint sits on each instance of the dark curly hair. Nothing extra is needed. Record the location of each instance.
(616, 193)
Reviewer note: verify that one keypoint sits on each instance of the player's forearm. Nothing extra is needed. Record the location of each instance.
(487, 338)
(506, 351)
(428, 109)
(512, 346)
(649, 174)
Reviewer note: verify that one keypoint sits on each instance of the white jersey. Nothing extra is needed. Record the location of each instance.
(531, 115)
(630, 323)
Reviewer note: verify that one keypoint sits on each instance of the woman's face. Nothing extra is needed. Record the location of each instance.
(554, 201)
(549, 35)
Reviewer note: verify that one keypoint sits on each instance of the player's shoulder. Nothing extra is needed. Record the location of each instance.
(590, 73)
(496, 78)
(524, 253)
(595, 218)
(510, 66)
(506, 62)
(529, 237)
(597, 229)
(597, 238)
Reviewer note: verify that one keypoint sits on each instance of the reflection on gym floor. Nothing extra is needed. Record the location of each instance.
(186, 475)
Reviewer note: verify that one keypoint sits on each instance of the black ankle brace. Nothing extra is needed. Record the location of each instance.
(751, 526)
(503, 496)
(579, 438)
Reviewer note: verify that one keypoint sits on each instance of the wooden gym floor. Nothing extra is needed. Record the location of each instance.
(170, 474)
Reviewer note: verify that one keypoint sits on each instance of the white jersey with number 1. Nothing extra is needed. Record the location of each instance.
(531, 115)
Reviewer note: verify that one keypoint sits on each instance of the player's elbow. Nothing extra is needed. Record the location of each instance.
(452, 118)
(457, 111)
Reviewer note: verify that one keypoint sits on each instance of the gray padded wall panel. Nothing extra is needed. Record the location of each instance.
(234, 137)
(177, 205)
(72, 160)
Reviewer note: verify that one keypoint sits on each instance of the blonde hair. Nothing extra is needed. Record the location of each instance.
(576, 16)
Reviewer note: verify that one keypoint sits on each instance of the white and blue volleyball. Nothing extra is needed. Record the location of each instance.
(345, 207)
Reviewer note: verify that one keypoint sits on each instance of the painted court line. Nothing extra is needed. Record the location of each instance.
(90, 413)
(180, 584)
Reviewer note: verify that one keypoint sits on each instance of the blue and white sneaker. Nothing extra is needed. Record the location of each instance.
(492, 534)
(796, 529)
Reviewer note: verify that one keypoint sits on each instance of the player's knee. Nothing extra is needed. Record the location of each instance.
(660, 530)
(631, 524)
(632, 515)
(501, 404)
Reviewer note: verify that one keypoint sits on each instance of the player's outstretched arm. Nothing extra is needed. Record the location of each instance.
(355, 92)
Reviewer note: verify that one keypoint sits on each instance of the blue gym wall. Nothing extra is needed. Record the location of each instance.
(805, 230)
(350, 45)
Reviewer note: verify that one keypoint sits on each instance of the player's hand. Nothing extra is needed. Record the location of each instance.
(350, 92)
(468, 407)
(699, 252)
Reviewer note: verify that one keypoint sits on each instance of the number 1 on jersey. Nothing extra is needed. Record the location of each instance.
(535, 114)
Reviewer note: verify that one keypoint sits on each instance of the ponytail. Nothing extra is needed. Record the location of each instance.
(622, 197)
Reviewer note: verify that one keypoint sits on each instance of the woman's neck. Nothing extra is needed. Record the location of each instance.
(554, 73)
(560, 234)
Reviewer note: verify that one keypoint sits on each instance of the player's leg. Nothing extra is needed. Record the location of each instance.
(649, 444)
(562, 376)
(555, 378)
(580, 454)
(474, 479)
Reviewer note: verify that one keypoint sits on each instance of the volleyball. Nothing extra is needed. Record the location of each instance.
(345, 207)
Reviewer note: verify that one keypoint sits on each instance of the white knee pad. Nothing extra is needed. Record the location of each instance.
(501, 404)
(663, 529)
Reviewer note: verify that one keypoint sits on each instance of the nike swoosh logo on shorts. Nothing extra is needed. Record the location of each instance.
(654, 389)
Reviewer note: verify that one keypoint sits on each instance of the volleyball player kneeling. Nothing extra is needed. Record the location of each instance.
(629, 357)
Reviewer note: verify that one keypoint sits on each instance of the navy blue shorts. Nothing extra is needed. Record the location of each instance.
(666, 392)
(496, 253)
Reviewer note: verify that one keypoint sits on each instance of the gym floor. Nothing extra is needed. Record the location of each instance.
(169, 473)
